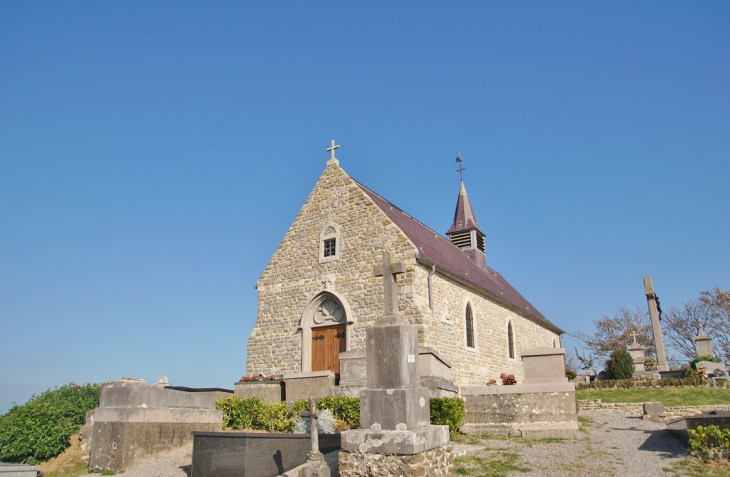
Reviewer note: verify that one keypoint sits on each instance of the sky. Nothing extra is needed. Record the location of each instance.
(154, 154)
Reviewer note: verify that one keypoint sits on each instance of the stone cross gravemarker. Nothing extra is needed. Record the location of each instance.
(394, 409)
(656, 327)
(703, 343)
(316, 466)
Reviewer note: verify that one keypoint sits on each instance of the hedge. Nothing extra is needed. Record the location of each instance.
(40, 429)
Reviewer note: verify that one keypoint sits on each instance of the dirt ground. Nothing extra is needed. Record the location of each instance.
(67, 464)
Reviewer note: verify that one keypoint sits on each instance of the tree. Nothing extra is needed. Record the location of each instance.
(621, 365)
(719, 318)
(682, 324)
(614, 332)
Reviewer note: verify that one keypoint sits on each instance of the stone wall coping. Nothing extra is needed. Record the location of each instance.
(353, 354)
(544, 351)
(518, 389)
(257, 435)
(309, 374)
(197, 390)
(432, 351)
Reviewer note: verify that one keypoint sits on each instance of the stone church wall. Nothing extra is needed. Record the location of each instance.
(294, 276)
(445, 330)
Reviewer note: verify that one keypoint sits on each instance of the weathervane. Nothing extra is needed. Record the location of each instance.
(332, 149)
(461, 169)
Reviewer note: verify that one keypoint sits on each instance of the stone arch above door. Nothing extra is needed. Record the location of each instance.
(326, 309)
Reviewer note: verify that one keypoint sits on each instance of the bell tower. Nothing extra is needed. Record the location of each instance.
(464, 232)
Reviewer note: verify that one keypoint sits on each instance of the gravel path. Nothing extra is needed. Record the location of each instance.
(611, 445)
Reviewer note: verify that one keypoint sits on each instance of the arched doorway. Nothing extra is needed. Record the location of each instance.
(324, 326)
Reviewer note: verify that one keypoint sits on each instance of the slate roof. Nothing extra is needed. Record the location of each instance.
(437, 250)
(464, 218)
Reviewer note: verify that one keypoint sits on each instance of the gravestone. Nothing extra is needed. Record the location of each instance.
(637, 354)
(703, 343)
(394, 408)
(653, 302)
(315, 466)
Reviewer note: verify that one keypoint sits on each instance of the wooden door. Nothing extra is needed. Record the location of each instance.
(327, 344)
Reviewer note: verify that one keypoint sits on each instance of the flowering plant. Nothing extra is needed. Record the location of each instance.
(491, 382)
(261, 377)
(508, 379)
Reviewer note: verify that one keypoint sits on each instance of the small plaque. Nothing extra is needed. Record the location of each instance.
(411, 358)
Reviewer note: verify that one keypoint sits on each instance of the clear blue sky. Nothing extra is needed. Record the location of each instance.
(153, 155)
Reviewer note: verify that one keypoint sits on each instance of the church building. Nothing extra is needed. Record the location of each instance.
(319, 293)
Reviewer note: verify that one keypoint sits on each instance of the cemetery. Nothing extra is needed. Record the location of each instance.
(395, 397)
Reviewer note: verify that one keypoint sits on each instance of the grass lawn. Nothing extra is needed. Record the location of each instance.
(668, 396)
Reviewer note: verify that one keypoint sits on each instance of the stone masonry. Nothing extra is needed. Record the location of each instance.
(294, 277)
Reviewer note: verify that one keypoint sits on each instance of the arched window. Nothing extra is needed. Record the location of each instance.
(510, 341)
(469, 327)
(329, 243)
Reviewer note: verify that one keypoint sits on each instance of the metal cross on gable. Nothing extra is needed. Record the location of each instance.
(332, 150)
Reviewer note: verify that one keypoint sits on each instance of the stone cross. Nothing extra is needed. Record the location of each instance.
(634, 334)
(388, 271)
(332, 150)
(316, 466)
(313, 415)
(655, 325)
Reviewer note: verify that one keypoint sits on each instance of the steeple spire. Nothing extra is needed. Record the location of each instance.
(464, 232)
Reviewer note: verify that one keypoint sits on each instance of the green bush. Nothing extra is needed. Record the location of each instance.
(620, 365)
(709, 442)
(570, 374)
(40, 429)
(253, 413)
(447, 411)
(344, 408)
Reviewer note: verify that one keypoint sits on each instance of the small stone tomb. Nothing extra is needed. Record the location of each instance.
(253, 454)
(544, 406)
(679, 427)
(312, 384)
(712, 368)
(135, 424)
(270, 392)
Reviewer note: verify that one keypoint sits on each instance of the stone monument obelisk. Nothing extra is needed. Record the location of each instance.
(394, 408)
(656, 327)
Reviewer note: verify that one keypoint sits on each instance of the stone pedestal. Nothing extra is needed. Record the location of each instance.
(637, 354)
(703, 344)
(394, 409)
(271, 392)
(312, 384)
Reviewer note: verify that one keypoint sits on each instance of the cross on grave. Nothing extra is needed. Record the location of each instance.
(313, 415)
(388, 271)
(634, 334)
(316, 466)
(332, 150)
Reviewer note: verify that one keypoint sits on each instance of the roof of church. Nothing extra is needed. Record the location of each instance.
(435, 248)
(464, 218)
